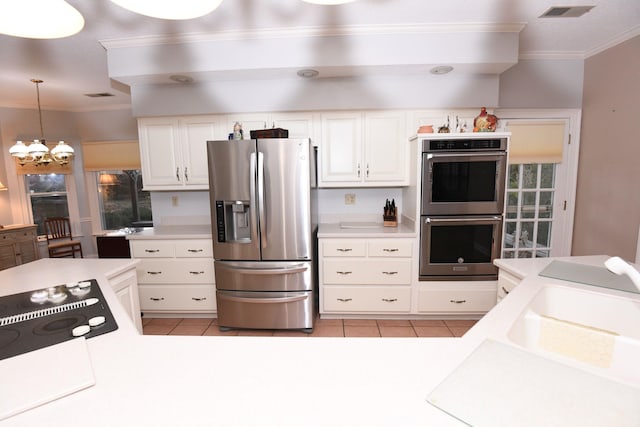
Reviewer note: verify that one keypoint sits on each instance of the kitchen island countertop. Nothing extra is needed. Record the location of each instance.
(263, 381)
(202, 231)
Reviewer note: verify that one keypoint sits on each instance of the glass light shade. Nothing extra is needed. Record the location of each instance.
(170, 9)
(37, 149)
(328, 2)
(19, 150)
(62, 151)
(39, 19)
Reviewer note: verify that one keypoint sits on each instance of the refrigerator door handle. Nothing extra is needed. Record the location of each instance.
(272, 271)
(252, 191)
(264, 300)
(261, 199)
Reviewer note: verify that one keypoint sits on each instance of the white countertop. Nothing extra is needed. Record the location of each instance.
(261, 381)
(364, 229)
(173, 232)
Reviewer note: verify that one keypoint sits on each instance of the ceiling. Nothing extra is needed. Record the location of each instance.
(75, 66)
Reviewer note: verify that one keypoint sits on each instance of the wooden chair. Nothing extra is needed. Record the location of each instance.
(59, 239)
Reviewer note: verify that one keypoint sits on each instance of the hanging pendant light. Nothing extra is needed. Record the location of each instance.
(170, 9)
(39, 19)
(37, 152)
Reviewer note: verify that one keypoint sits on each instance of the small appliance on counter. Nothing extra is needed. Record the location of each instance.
(44, 317)
(390, 215)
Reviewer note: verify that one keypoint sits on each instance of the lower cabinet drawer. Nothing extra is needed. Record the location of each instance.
(200, 298)
(456, 300)
(378, 272)
(175, 271)
(366, 299)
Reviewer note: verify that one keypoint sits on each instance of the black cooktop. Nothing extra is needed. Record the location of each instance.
(37, 319)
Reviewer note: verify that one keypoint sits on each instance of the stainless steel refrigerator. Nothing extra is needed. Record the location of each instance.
(263, 215)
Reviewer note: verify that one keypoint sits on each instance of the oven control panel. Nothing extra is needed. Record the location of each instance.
(488, 144)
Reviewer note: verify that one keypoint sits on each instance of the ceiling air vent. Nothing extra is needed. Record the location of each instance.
(566, 11)
(98, 95)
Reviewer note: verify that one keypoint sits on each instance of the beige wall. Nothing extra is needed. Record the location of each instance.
(608, 194)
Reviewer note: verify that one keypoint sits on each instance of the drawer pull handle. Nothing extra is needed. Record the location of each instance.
(199, 299)
(196, 272)
(344, 249)
(391, 250)
(458, 301)
(194, 250)
(504, 290)
(389, 299)
(344, 299)
(156, 299)
(390, 273)
(344, 272)
(154, 272)
(152, 251)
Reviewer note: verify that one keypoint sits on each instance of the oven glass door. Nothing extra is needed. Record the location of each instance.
(463, 183)
(459, 246)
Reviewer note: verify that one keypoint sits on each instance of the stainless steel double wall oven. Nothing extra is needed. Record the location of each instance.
(462, 204)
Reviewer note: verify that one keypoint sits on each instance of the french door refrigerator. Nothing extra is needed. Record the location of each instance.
(263, 215)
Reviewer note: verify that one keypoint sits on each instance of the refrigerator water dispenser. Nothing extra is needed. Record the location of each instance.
(233, 221)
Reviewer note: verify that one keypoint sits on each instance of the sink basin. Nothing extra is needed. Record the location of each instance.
(596, 331)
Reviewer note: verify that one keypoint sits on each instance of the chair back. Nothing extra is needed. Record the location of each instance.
(58, 228)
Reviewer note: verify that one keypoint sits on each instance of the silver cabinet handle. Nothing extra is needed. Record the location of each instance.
(344, 249)
(458, 301)
(389, 299)
(367, 170)
(152, 251)
(156, 299)
(344, 272)
(194, 250)
(390, 273)
(344, 299)
(504, 290)
(391, 250)
(154, 272)
(196, 272)
(199, 299)
(358, 170)
(178, 174)
(186, 173)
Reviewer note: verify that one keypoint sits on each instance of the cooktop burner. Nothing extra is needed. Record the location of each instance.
(37, 319)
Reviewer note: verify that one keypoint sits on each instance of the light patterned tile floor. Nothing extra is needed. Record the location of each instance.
(322, 328)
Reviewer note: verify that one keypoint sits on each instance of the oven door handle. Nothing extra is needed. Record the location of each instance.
(453, 155)
(474, 219)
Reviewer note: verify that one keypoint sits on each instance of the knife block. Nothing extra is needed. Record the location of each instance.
(391, 220)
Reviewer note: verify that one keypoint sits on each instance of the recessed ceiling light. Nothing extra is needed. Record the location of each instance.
(328, 2)
(566, 11)
(308, 73)
(441, 69)
(181, 78)
(98, 95)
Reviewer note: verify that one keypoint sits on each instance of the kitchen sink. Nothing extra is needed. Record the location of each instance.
(595, 331)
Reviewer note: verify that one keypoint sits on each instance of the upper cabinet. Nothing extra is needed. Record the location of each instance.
(364, 149)
(173, 151)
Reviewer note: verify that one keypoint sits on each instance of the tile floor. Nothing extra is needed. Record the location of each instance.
(322, 328)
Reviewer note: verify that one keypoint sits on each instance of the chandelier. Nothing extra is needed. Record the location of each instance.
(37, 152)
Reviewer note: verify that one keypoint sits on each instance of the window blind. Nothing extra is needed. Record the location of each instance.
(110, 155)
(539, 142)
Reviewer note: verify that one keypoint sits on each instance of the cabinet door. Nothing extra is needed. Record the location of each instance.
(160, 152)
(195, 132)
(298, 125)
(341, 147)
(386, 149)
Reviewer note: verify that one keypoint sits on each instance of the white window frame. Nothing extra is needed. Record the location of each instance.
(566, 172)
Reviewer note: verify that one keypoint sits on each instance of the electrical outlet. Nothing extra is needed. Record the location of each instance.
(174, 200)
(349, 199)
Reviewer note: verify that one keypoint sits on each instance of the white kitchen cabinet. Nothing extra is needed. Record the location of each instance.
(364, 149)
(299, 125)
(506, 283)
(173, 151)
(18, 245)
(175, 276)
(365, 276)
(125, 286)
(456, 297)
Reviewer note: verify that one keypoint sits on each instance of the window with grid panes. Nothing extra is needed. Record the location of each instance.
(529, 210)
